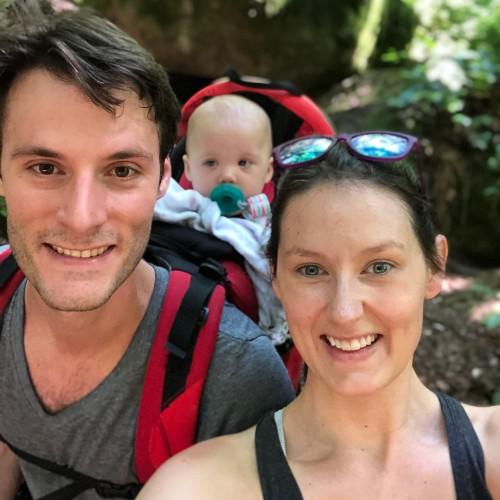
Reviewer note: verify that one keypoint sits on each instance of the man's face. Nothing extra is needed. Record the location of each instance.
(80, 185)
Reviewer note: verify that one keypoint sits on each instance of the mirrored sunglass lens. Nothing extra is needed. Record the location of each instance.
(304, 150)
(380, 145)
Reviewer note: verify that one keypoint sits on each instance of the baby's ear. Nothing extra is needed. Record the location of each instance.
(270, 170)
(435, 279)
(187, 167)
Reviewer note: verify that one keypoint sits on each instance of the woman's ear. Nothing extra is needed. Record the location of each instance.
(275, 283)
(435, 280)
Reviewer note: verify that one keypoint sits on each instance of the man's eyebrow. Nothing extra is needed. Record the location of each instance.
(49, 153)
(35, 151)
(131, 153)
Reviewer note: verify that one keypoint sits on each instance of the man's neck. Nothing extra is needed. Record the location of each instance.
(92, 330)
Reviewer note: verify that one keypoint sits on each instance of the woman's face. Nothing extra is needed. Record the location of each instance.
(352, 278)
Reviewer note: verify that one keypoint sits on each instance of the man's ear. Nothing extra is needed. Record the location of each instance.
(187, 167)
(165, 180)
(270, 170)
(435, 279)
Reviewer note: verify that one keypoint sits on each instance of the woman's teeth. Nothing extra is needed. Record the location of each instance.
(352, 344)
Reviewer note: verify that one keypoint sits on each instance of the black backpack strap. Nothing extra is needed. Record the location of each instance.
(8, 268)
(80, 482)
(190, 317)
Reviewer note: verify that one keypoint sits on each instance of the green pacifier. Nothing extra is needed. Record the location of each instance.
(229, 197)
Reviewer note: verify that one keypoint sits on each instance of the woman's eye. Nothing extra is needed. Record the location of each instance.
(123, 171)
(45, 168)
(310, 270)
(379, 267)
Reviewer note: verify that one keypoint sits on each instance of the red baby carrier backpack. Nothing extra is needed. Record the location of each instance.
(292, 114)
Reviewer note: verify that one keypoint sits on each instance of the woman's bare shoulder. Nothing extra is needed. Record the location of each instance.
(486, 422)
(223, 467)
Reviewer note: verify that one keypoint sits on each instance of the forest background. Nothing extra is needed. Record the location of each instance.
(427, 67)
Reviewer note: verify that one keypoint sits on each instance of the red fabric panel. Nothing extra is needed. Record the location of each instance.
(9, 289)
(161, 434)
(301, 105)
(240, 290)
(294, 364)
(150, 407)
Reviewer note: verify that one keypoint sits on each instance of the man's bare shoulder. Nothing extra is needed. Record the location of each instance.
(223, 467)
(486, 422)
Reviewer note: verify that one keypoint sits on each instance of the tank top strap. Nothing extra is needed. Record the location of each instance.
(276, 478)
(466, 453)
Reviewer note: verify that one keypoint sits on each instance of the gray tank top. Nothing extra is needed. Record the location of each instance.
(466, 454)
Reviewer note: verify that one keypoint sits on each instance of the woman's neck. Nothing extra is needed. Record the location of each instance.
(325, 423)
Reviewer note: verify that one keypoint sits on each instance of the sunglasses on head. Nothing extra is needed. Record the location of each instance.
(375, 146)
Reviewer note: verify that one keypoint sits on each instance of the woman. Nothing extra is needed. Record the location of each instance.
(354, 256)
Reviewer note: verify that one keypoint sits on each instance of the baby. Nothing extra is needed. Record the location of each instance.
(228, 162)
(229, 141)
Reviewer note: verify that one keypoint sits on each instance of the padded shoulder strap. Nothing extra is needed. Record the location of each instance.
(10, 278)
(177, 368)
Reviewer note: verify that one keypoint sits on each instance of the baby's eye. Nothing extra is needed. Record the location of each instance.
(45, 169)
(243, 163)
(380, 267)
(310, 270)
(210, 163)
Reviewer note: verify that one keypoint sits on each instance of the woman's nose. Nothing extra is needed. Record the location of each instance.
(346, 304)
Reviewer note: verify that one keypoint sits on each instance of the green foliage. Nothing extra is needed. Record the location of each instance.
(453, 69)
(492, 320)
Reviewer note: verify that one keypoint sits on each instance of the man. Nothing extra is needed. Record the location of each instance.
(87, 118)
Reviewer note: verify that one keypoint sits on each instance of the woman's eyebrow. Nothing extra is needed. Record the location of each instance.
(379, 247)
(302, 252)
(385, 245)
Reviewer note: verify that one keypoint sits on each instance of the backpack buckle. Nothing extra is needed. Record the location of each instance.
(212, 268)
(107, 489)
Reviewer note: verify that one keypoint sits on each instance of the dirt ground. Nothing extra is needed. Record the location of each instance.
(458, 353)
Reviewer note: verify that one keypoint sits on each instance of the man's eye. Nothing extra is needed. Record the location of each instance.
(310, 270)
(379, 267)
(123, 171)
(45, 168)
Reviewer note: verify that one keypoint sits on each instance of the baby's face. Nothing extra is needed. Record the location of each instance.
(229, 152)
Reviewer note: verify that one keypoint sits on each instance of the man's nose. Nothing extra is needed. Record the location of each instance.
(84, 204)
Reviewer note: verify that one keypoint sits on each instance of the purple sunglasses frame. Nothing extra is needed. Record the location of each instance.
(411, 145)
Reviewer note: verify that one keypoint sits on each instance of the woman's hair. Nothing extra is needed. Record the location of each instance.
(88, 51)
(341, 167)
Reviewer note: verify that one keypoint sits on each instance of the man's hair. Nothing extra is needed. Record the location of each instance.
(83, 49)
